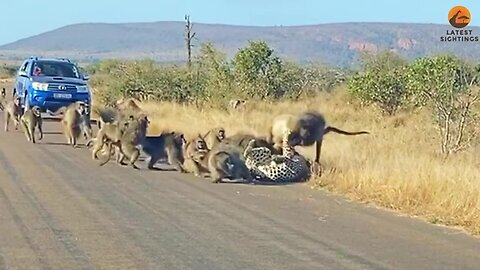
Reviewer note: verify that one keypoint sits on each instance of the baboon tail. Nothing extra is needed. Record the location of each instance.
(58, 111)
(343, 132)
(109, 154)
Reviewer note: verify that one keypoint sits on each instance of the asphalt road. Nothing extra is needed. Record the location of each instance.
(60, 210)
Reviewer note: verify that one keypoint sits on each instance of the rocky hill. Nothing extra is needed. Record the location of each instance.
(335, 44)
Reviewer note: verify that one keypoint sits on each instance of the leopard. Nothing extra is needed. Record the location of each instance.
(290, 166)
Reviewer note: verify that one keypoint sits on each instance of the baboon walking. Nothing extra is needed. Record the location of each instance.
(30, 119)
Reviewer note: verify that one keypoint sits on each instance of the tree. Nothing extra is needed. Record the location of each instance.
(189, 36)
(215, 72)
(258, 71)
(451, 88)
(381, 82)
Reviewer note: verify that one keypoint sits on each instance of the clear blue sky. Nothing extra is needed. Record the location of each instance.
(24, 18)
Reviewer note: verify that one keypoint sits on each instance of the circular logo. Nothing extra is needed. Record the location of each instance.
(459, 17)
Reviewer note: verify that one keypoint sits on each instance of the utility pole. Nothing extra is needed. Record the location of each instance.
(188, 38)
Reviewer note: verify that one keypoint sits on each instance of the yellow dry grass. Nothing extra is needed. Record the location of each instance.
(397, 166)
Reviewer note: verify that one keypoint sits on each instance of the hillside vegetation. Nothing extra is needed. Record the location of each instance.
(420, 158)
(333, 44)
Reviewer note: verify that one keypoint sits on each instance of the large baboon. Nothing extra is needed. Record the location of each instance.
(72, 121)
(306, 128)
(166, 145)
(133, 136)
(31, 119)
(128, 106)
(218, 164)
(13, 110)
(241, 140)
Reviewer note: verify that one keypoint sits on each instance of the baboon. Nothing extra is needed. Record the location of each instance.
(13, 110)
(194, 152)
(72, 121)
(223, 164)
(306, 128)
(167, 144)
(86, 126)
(235, 103)
(30, 119)
(110, 133)
(129, 107)
(133, 136)
(106, 115)
(241, 140)
(214, 136)
(218, 164)
(3, 95)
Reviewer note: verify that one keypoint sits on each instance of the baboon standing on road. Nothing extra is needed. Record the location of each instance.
(167, 144)
(13, 111)
(72, 121)
(30, 119)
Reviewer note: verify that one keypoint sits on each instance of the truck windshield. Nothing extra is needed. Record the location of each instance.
(55, 69)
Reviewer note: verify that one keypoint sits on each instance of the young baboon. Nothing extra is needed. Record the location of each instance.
(223, 164)
(13, 110)
(110, 133)
(72, 122)
(86, 126)
(195, 152)
(214, 136)
(30, 119)
(306, 128)
(166, 145)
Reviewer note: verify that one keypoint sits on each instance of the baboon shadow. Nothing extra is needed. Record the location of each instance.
(162, 169)
(270, 183)
(79, 146)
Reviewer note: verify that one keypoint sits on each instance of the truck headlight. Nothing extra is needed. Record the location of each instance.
(82, 89)
(40, 86)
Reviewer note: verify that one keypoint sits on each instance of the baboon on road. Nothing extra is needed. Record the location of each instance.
(109, 133)
(166, 145)
(306, 128)
(13, 111)
(195, 151)
(72, 121)
(30, 119)
(133, 136)
(218, 164)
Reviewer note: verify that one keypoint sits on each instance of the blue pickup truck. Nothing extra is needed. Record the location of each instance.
(51, 83)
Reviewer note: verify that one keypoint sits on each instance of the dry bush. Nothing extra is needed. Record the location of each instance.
(396, 166)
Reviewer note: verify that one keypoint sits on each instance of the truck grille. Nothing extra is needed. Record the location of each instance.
(56, 87)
